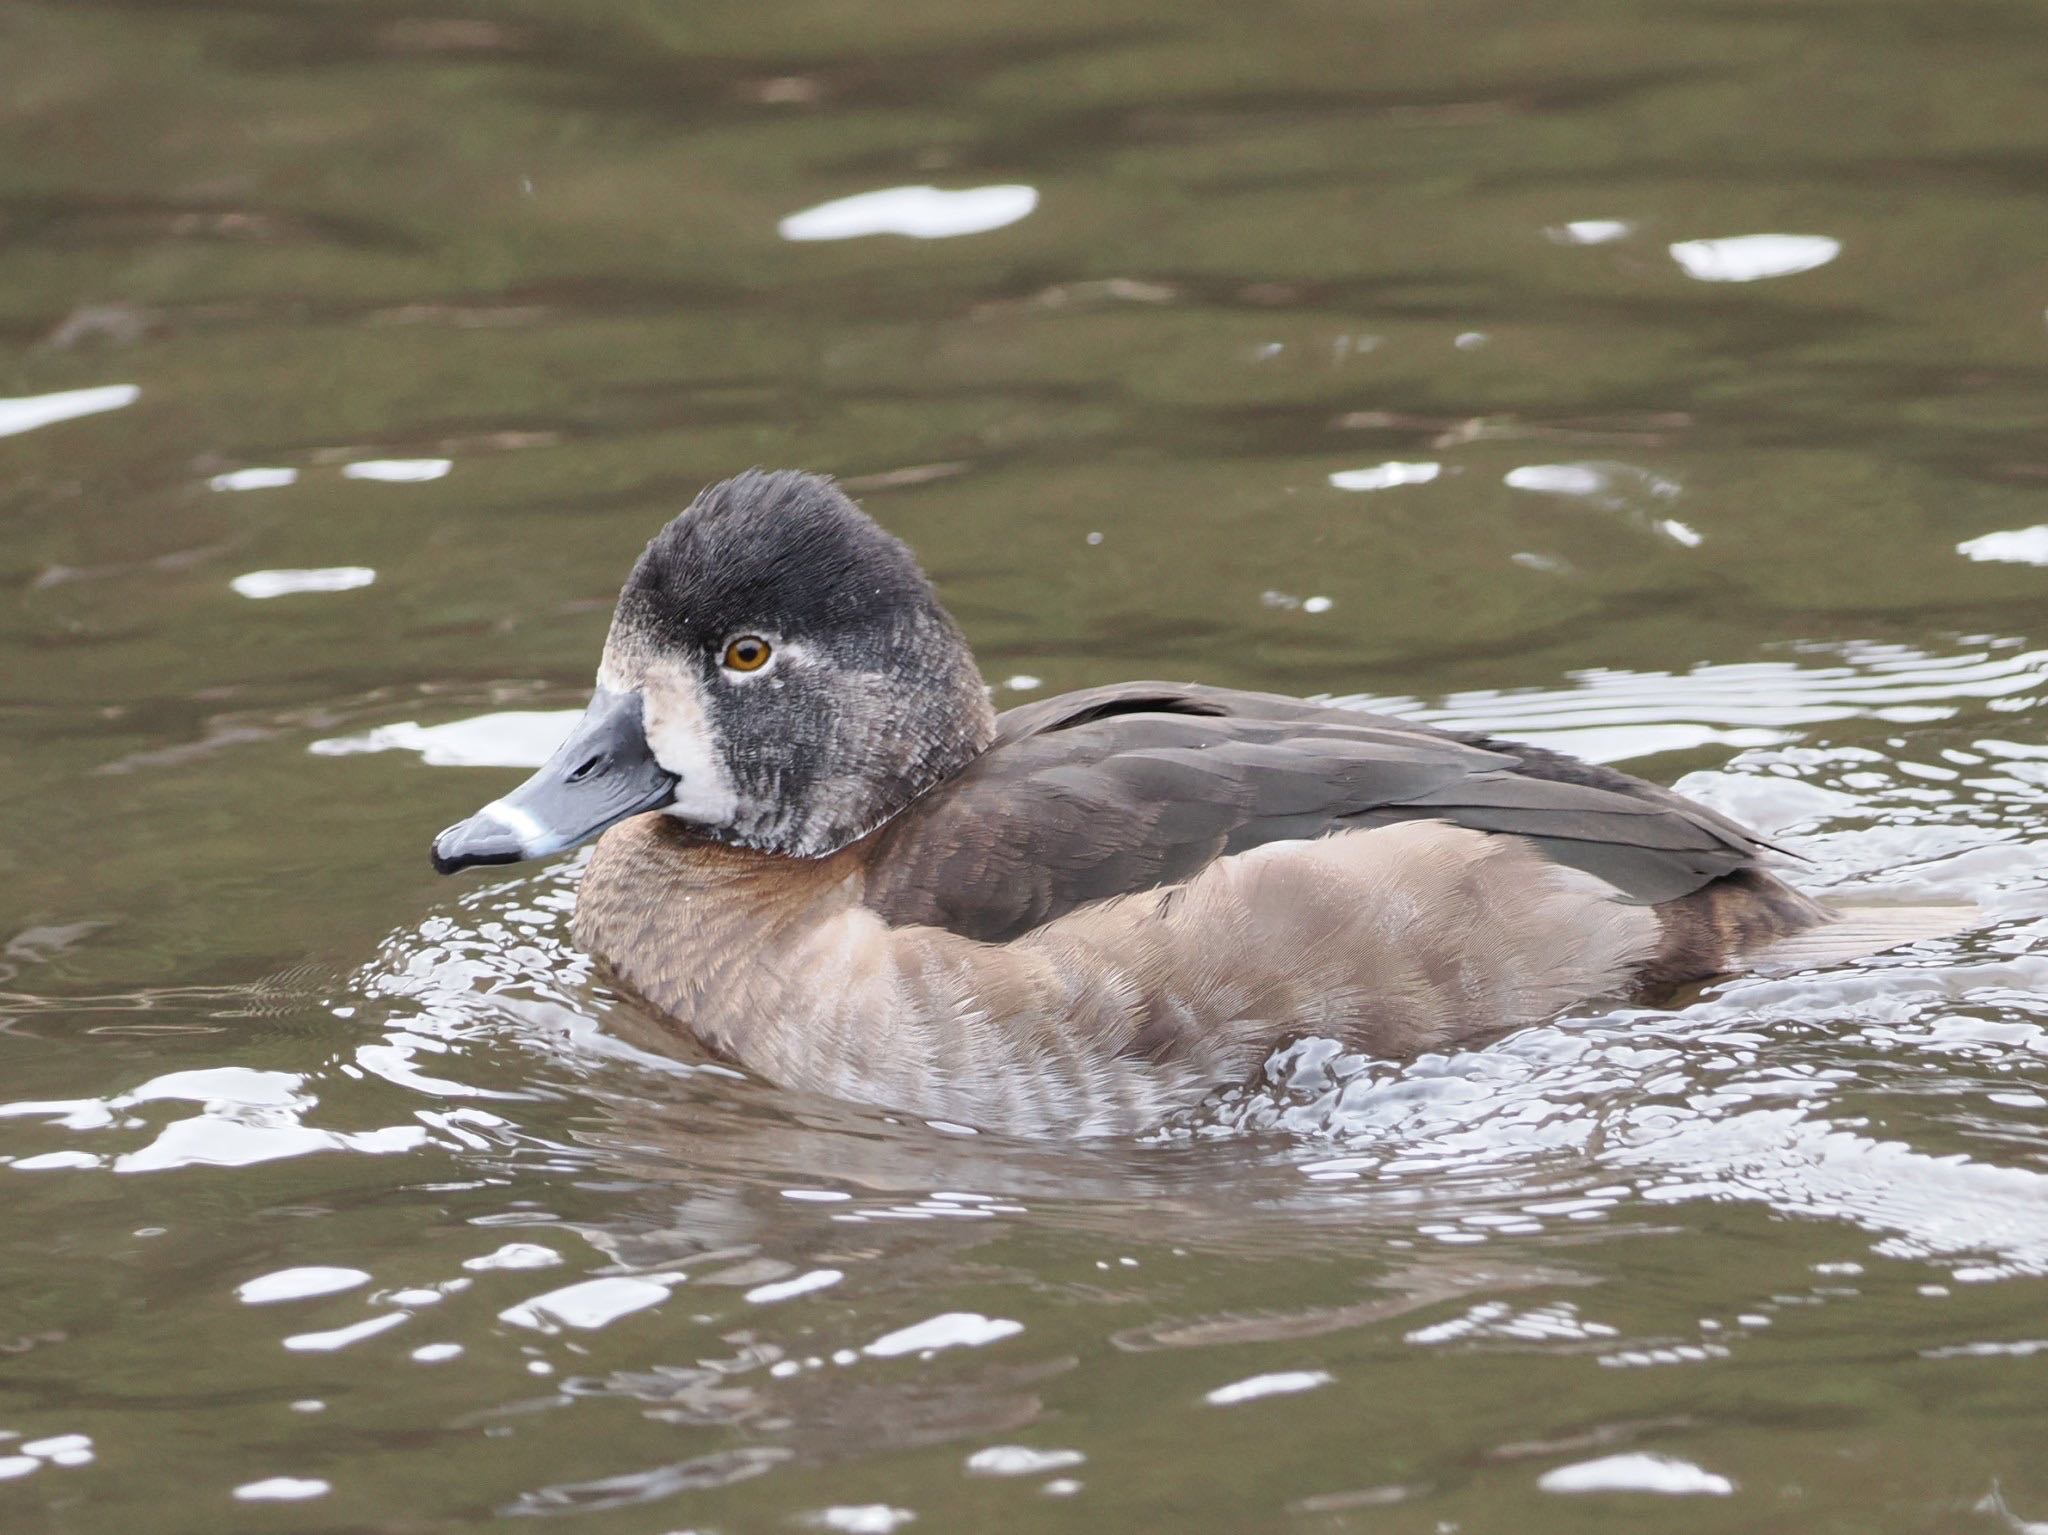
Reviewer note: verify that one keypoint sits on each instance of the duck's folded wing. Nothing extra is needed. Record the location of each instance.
(1118, 790)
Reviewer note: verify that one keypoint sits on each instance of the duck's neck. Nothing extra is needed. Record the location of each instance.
(681, 920)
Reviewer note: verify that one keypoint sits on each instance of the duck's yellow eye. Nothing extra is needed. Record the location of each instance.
(748, 653)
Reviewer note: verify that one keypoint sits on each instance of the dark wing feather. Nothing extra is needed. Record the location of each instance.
(1115, 790)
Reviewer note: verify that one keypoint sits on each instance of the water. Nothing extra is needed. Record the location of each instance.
(1426, 354)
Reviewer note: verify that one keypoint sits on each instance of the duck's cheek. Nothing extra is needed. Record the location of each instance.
(687, 744)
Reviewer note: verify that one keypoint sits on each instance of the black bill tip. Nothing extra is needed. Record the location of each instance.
(482, 839)
(603, 772)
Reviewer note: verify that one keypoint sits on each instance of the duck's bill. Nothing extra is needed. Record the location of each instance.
(603, 773)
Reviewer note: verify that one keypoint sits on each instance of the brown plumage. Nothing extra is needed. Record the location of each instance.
(1090, 912)
(1111, 1016)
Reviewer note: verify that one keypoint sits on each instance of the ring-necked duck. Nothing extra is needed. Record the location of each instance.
(828, 857)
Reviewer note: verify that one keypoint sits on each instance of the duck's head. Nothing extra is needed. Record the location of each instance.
(779, 676)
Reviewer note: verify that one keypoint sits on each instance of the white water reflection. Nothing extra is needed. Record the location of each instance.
(398, 471)
(1750, 258)
(1294, 604)
(515, 1255)
(28, 412)
(953, 1329)
(1636, 1472)
(282, 1489)
(1385, 476)
(1279, 1383)
(860, 1518)
(2018, 546)
(1021, 1460)
(62, 1449)
(69, 1450)
(51, 1161)
(1558, 479)
(1638, 493)
(341, 1337)
(591, 1304)
(298, 1284)
(254, 479)
(1590, 231)
(790, 1289)
(512, 738)
(263, 584)
(720, 1468)
(246, 1117)
(922, 212)
(1612, 715)
(1497, 1320)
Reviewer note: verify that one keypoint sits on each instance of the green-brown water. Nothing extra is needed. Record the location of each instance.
(1793, 1239)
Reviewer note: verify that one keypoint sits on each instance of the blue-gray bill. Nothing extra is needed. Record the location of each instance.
(604, 772)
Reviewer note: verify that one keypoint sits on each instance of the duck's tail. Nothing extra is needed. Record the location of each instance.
(1857, 932)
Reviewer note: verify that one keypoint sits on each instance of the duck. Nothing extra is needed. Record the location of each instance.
(825, 857)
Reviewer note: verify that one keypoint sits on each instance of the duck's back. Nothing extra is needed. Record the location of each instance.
(1117, 790)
